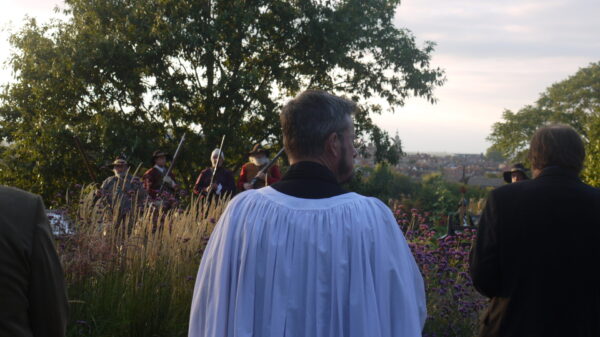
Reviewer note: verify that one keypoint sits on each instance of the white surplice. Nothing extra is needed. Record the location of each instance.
(278, 265)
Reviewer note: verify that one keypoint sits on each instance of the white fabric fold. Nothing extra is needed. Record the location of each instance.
(277, 266)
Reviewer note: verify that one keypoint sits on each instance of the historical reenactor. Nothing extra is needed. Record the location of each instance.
(517, 172)
(33, 298)
(122, 187)
(223, 183)
(259, 157)
(537, 246)
(155, 176)
(305, 257)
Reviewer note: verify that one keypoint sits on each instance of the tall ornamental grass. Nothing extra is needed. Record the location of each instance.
(131, 273)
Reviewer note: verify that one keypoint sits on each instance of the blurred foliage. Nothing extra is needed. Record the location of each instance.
(574, 101)
(126, 77)
(494, 154)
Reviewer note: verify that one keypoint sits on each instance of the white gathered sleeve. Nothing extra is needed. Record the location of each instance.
(279, 266)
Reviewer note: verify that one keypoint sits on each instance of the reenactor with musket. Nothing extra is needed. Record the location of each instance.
(156, 180)
(252, 171)
(216, 180)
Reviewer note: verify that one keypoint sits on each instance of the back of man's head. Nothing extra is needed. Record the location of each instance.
(557, 145)
(309, 118)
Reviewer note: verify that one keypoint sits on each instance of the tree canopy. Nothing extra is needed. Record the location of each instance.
(574, 101)
(129, 76)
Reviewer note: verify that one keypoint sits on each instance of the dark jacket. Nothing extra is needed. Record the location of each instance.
(153, 179)
(223, 177)
(536, 255)
(33, 299)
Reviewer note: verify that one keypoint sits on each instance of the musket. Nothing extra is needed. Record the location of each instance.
(162, 185)
(267, 167)
(212, 177)
(85, 158)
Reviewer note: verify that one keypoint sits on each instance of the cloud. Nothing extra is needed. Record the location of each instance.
(497, 55)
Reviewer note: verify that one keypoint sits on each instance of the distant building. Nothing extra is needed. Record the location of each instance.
(472, 169)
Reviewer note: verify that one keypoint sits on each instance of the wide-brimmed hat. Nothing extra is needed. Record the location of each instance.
(515, 168)
(118, 161)
(159, 153)
(257, 149)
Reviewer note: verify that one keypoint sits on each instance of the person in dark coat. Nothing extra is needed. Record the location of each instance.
(33, 300)
(222, 185)
(154, 177)
(537, 246)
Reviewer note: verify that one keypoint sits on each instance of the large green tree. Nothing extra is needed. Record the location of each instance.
(574, 101)
(127, 76)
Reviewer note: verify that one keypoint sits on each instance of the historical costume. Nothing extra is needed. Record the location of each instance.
(154, 177)
(304, 258)
(259, 157)
(223, 182)
(122, 189)
(33, 300)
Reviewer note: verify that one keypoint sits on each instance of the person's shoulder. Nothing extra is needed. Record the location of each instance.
(248, 197)
(510, 189)
(366, 202)
(591, 190)
(17, 195)
(150, 171)
(18, 204)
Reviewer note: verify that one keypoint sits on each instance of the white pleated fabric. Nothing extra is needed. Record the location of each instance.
(280, 266)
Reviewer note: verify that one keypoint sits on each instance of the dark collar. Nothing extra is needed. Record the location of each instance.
(309, 180)
(558, 171)
(308, 170)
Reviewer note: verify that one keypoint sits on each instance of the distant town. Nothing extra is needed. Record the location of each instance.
(471, 169)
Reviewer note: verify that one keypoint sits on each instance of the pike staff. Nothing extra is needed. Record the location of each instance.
(267, 167)
(162, 185)
(216, 165)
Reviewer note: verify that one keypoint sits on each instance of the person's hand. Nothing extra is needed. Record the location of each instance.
(170, 181)
(261, 175)
(247, 186)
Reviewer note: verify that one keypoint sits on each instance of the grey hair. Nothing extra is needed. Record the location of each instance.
(309, 118)
(219, 152)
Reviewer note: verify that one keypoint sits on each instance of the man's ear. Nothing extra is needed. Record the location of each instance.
(332, 145)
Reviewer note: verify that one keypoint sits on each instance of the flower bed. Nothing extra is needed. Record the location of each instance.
(453, 305)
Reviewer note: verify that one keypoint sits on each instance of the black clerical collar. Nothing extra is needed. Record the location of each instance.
(309, 180)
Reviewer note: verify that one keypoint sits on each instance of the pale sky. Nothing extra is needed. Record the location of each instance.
(498, 54)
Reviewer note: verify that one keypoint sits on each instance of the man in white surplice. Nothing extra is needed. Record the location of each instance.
(303, 257)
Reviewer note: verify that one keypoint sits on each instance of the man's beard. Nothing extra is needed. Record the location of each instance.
(345, 171)
(120, 174)
(259, 161)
